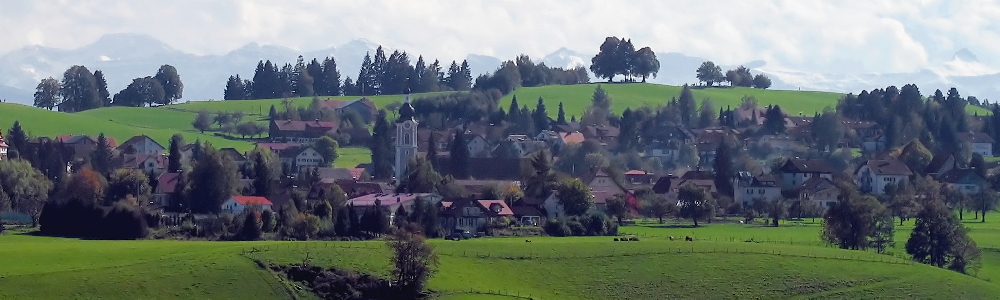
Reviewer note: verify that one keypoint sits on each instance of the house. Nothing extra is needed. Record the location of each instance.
(478, 145)
(873, 143)
(301, 158)
(553, 206)
(781, 143)
(748, 188)
(527, 215)
(665, 152)
(355, 188)
(149, 164)
(600, 183)
(166, 186)
(81, 145)
(521, 144)
(940, 164)
(981, 143)
(233, 155)
(640, 177)
(820, 191)
(572, 138)
(363, 107)
(287, 131)
(236, 204)
(875, 174)
(796, 171)
(605, 135)
(965, 180)
(474, 215)
(390, 202)
(141, 145)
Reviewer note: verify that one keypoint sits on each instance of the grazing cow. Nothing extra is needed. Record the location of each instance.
(527, 241)
(688, 239)
(671, 238)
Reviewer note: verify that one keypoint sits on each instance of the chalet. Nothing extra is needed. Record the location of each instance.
(796, 171)
(527, 215)
(298, 159)
(820, 191)
(166, 186)
(236, 204)
(602, 186)
(748, 188)
(287, 131)
(981, 143)
(390, 202)
(141, 145)
(363, 107)
(233, 155)
(875, 174)
(474, 215)
(965, 180)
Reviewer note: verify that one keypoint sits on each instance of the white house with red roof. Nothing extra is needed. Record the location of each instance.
(236, 204)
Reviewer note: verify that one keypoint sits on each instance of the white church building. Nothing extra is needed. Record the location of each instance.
(406, 138)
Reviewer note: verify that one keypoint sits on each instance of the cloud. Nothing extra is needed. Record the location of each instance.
(815, 35)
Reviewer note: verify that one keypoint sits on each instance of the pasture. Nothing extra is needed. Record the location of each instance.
(782, 262)
(576, 98)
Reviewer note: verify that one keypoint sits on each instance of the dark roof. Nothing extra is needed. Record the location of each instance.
(975, 137)
(233, 154)
(957, 175)
(603, 131)
(699, 174)
(888, 167)
(288, 125)
(815, 182)
(939, 161)
(139, 138)
(525, 211)
(335, 174)
(807, 166)
(662, 185)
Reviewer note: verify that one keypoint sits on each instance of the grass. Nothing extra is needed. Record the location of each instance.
(576, 98)
(789, 262)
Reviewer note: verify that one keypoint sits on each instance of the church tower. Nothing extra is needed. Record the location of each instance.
(406, 138)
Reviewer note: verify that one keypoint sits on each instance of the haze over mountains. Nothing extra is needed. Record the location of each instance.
(123, 57)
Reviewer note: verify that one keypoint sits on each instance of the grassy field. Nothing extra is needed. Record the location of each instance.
(576, 98)
(785, 262)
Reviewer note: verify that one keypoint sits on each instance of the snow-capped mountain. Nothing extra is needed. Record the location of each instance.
(125, 56)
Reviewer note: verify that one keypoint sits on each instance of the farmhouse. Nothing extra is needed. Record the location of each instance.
(149, 164)
(166, 186)
(981, 143)
(236, 204)
(141, 145)
(749, 188)
(966, 180)
(796, 171)
(875, 174)
(473, 215)
(390, 202)
(287, 131)
(820, 191)
(297, 159)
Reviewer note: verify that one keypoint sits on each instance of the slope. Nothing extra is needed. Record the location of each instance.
(576, 98)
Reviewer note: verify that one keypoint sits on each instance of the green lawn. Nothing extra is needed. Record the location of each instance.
(787, 262)
(576, 98)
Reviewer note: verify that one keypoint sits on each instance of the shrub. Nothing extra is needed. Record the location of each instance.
(125, 222)
(576, 228)
(303, 227)
(252, 228)
(269, 220)
(597, 224)
(555, 227)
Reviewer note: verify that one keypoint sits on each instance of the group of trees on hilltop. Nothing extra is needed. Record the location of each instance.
(710, 74)
(619, 57)
(81, 90)
(269, 81)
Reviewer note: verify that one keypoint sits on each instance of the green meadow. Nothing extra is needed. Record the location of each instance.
(576, 98)
(727, 260)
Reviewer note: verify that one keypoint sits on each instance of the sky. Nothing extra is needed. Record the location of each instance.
(843, 36)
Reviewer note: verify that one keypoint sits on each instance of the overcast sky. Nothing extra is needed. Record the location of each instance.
(832, 36)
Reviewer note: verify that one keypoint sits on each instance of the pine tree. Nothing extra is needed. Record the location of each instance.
(686, 105)
(213, 180)
(460, 156)
(331, 78)
(540, 116)
(102, 88)
(432, 154)
(562, 114)
(723, 167)
(381, 148)
(514, 111)
(174, 158)
(17, 139)
(100, 159)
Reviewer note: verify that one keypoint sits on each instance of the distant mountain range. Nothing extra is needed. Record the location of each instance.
(123, 57)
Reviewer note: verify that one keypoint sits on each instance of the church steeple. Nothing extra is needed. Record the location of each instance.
(406, 111)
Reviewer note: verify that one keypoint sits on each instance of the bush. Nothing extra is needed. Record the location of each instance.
(576, 228)
(77, 219)
(303, 227)
(269, 220)
(555, 227)
(125, 222)
(252, 228)
(593, 225)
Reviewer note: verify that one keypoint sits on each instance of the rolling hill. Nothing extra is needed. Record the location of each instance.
(576, 98)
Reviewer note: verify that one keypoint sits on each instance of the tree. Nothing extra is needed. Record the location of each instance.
(827, 130)
(706, 115)
(646, 64)
(709, 73)
(695, 203)
(381, 148)
(213, 180)
(142, 91)
(575, 197)
(854, 222)
(27, 188)
(607, 63)
(202, 122)
(618, 208)
(940, 240)
(776, 209)
(253, 224)
(18, 140)
(128, 184)
(100, 159)
(916, 156)
(420, 178)
(686, 105)
(236, 89)
(542, 179)
(761, 81)
(561, 119)
(460, 156)
(774, 120)
(79, 90)
(102, 88)
(540, 116)
(723, 167)
(174, 156)
(329, 83)
(600, 108)
(985, 201)
(170, 80)
(656, 206)
(48, 93)
(414, 261)
(86, 187)
(327, 149)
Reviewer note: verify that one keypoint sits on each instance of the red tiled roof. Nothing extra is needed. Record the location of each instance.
(277, 147)
(167, 183)
(356, 172)
(504, 209)
(251, 200)
(637, 172)
(572, 137)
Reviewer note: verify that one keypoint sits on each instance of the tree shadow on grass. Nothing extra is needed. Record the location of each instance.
(666, 226)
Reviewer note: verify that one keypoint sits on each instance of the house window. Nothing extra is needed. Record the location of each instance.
(760, 191)
(749, 192)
